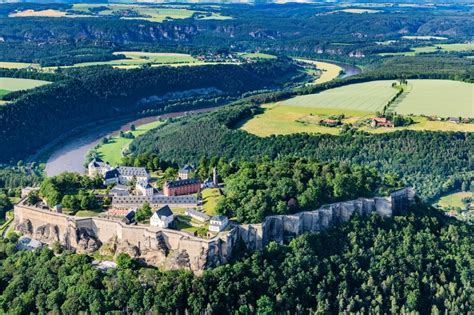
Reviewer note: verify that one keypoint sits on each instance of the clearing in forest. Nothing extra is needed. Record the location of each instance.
(15, 84)
(138, 58)
(431, 49)
(41, 13)
(17, 65)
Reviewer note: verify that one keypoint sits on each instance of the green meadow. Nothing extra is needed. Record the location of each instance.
(152, 14)
(257, 56)
(442, 98)
(112, 150)
(431, 49)
(15, 84)
(369, 96)
(359, 102)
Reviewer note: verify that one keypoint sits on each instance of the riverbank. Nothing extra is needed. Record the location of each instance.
(68, 153)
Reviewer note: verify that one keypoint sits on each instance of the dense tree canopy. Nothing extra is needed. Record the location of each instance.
(285, 186)
(420, 263)
(38, 116)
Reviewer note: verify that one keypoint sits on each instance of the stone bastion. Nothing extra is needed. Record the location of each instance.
(171, 249)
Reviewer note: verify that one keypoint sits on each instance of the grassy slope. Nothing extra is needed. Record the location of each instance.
(370, 96)
(453, 200)
(302, 113)
(438, 97)
(210, 197)
(14, 84)
(17, 65)
(257, 56)
(3, 92)
(112, 151)
(431, 49)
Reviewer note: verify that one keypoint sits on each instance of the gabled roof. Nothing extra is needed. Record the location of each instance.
(111, 174)
(182, 182)
(96, 162)
(197, 214)
(132, 171)
(164, 212)
(119, 187)
(186, 169)
(219, 218)
(130, 216)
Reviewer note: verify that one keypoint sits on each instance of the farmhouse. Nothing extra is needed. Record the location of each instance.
(218, 223)
(185, 172)
(181, 187)
(162, 217)
(329, 122)
(381, 122)
(198, 215)
(454, 120)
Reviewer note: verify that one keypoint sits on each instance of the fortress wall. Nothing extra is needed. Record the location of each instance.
(173, 249)
(34, 219)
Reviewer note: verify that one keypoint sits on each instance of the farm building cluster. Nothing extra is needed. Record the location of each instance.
(132, 189)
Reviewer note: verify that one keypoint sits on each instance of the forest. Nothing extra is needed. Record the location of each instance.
(296, 29)
(419, 263)
(257, 190)
(37, 116)
(418, 158)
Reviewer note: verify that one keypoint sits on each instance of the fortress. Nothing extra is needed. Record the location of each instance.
(171, 249)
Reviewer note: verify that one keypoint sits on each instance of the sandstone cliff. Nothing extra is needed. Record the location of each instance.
(171, 249)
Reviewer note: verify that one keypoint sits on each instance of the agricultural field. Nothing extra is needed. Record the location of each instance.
(112, 150)
(123, 11)
(41, 13)
(279, 119)
(8, 85)
(14, 84)
(369, 97)
(359, 11)
(257, 56)
(432, 49)
(138, 58)
(359, 102)
(329, 71)
(426, 37)
(435, 97)
(18, 65)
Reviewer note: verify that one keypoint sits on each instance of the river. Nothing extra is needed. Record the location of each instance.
(70, 155)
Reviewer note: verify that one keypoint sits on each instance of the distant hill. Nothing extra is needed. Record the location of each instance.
(245, 1)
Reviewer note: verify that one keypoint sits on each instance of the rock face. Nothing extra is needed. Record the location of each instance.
(171, 249)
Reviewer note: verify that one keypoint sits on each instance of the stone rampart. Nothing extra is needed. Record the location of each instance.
(171, 249)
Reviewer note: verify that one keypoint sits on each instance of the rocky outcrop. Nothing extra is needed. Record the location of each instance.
(171, 249)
